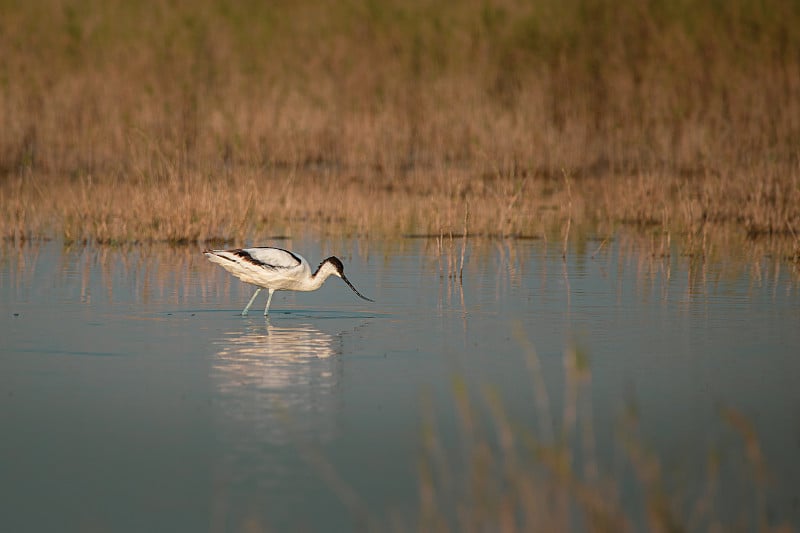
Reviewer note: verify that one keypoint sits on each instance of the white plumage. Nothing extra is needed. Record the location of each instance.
(277, 269)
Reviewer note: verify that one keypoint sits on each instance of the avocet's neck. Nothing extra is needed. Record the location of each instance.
(325, 270)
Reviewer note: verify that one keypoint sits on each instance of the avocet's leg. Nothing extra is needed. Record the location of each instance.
(253, 299)
(269, 299)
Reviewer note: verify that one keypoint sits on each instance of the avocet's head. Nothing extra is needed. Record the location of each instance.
(333, 266)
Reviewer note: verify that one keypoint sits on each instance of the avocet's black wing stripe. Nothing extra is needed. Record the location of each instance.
(270, 257)
(219, 254)
(246, 257)
(276, 253)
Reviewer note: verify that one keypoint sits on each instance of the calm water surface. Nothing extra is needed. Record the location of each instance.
(134, 398)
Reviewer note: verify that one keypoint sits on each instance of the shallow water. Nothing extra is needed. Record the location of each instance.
(134, 397)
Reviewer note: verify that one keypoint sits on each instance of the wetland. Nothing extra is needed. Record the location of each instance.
(580, 221)
(136, 397)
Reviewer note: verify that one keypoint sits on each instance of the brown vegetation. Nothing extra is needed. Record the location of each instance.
(195, 121)
(504, 477)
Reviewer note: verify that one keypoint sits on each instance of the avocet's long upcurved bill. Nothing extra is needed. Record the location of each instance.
(276, 269)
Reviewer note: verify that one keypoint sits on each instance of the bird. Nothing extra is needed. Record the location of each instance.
(276, 269)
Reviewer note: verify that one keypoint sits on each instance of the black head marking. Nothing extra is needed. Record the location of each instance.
(336, 262)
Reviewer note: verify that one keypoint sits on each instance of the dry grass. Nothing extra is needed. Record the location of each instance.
(188, 122)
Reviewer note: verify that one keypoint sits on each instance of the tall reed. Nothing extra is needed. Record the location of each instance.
(188, 121)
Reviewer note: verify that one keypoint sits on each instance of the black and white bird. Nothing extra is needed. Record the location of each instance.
(277, 269)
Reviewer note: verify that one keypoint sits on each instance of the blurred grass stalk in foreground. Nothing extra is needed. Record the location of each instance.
(503, 477)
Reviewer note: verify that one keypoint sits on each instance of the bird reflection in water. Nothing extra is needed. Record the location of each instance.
(274, 380)
(275, 391)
